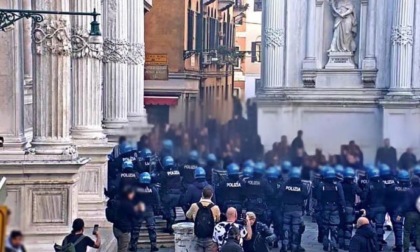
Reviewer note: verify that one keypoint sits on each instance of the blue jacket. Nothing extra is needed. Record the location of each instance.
(194, 192)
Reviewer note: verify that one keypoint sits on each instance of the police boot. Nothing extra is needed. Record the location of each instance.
(397, 249)
(325, 248)
(154, 248)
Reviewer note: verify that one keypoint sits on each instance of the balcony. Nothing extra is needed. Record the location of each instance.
(225, 4)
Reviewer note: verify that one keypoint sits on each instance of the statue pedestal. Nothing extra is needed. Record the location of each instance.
(340, 60)
(184, 237)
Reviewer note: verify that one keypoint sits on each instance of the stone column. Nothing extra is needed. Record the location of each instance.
(115, 14)
(273, 44)
(402, 47)
(27, 44)
(86, 128)
(369, 62)
(136, 112)
(51, 68)
(184, 237)
(310, 57)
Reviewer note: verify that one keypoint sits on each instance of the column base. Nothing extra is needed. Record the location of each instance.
(42, 196)
(13, 143)
(138, 126)
(93, 180)
(400, 93)
(114, 129)
(87, 133)
(49, 146)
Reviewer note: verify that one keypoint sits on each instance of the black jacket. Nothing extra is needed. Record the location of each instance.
(412, 195)
(231, 246)
(387, 156)
(125, 216)
(363, 240)
(407, 161)
(261, 235)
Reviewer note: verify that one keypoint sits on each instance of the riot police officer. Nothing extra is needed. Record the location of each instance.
(293, 194)
(231, 191)
(286, 166)
(396, 194)
(375, 203)
(318, 177)
(150, 197)
(128, 178)
(350, 190)
(339, 170)
(274, 202)
(331, 196)
(256, 189)
(144, 161)
(416, 171)
(194, 190)
(247, 173)
(170, 179)
(188, 169)
(210, 166)
(388, 179)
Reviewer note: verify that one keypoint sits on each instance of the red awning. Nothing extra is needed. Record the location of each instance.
(161, 100)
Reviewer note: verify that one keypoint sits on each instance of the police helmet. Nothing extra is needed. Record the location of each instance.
(286, 166)
(330, 173)
(145, 178)
(384, 170)
(248, 171)
(146, 153)
(369, 167)
(249, 163)
(127, 164)
(199, 173)
(295, 173)
(322, 170)
(168, 161)
(126, 147)
(349, 173)
(373, 173)
(194, 155)
(211, 158)
(416, 170)
(272, 173)
(233, 169)
(259, 168)
(403, 176)
(167, 144)
(339, 169)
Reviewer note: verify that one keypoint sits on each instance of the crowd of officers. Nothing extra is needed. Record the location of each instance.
(335, 196)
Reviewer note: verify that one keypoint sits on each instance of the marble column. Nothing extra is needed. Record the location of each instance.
(27, 44)
(273, 42)
(86, 76)
(136, 112)
(310, 56)
(370, 60)
(402, 47)
(51, 84)
(116, 48)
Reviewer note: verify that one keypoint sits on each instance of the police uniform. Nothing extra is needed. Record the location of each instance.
(396, 194)
(293, 194)
(187, 173)
(331, 196)
(171, 194)
(316, 182)
(128, 179)
(256, 189)
(150, 197)
(231, 194)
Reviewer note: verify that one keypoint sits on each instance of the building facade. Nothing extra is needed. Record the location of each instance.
(341, 77)
(63, 101)
(248, 40)
(192, 78)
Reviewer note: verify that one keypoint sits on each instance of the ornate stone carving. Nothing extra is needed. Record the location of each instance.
(81, 47)
(345, 26)
(274, 37)
(52, 36)
(136, 54)
(402, 35)
(116, 50)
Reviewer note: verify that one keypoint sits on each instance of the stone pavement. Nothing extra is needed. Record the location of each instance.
(310, 243)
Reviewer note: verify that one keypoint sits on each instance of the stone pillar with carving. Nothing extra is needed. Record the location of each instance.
(51, 84)
(116, 49)
(369, 62)
(273, 41)
(136, 112)
(86, 131)
(27, 44)
(402, 47)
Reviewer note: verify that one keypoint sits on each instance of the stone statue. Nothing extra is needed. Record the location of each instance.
(345, 26)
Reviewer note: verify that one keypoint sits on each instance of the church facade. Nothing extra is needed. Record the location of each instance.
(341, 70)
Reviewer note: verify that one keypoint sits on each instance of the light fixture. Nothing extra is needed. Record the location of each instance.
(95, 35)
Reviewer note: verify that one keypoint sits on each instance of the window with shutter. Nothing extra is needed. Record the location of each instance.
(190, 39)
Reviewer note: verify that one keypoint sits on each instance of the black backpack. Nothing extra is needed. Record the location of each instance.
(111, 211)
(204, 221)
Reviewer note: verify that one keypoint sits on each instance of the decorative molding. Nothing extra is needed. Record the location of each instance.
(52, 36)
(116, 51)
(136, 55)
(402, 35)
(81, 47)
(274, 37)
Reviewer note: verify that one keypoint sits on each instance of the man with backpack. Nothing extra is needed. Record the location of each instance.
(76, 241)
(205, 215)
